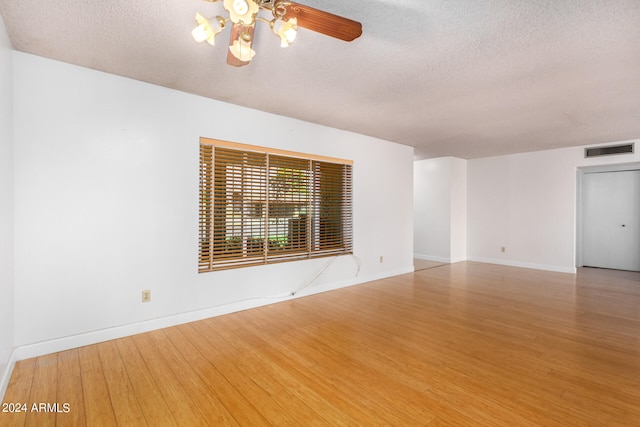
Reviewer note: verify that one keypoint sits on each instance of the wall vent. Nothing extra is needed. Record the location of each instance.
(609, 150)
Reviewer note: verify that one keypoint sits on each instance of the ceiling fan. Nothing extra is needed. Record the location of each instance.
(287, 17)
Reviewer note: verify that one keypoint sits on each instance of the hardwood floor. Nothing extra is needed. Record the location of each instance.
(463, 344)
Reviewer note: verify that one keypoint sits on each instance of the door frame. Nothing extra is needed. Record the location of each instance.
(579, 174)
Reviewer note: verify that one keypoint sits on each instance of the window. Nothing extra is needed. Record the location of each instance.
(259, 205)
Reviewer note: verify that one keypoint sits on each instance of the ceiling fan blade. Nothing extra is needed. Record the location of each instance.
(320, 21)
(241, 37)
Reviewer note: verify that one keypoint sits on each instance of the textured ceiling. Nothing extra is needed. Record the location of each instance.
(465, 78)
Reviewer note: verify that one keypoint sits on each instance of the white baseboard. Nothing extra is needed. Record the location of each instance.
(6, 375)
(97, 336)
(94, 337)
(509, 263)
(556, 268)
(432, 258)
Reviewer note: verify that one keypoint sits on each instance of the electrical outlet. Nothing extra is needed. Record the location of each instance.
(381, 259)
(503, 249)
(146, 295)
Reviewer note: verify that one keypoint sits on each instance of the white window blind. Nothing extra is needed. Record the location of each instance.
(261, 206)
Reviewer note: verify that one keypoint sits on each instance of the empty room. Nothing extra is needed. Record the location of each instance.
(263, 212)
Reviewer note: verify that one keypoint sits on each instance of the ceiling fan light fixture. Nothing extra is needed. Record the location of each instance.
(287, 17)
(241, 49)
(207, 28)
(242, 11)
(286, 30)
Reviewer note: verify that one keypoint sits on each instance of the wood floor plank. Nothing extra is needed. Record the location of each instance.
(126, 406)
(97, 402)
(69, 390)
(421, 373)
(43, 392)
(354, 379)
(233, 399)
(185, 411)
(413, 374)
(322, 394)
(227, 361)
(191, 379)
(463, 344)
(294, 411)
(308, 407)
(592, 388)
(293, 376)
(155, 408)
(17, 395)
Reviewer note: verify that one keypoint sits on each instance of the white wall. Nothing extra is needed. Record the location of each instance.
(432, 209)
(440, 211)
(527, 203)
(6, 210)
(458, 209)
(106, 178)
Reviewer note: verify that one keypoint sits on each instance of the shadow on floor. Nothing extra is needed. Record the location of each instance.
(421, 264)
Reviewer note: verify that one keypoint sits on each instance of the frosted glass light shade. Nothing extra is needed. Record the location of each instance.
(286, 30)
(242, 50)
(207, 29)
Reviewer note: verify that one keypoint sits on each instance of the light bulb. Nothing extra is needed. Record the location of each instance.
(207, 29)
(286, 30)
(240, 7)
(243, 11)
(199, 33)
(290, 35)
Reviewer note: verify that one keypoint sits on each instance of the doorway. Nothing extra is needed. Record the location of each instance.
(610, 219)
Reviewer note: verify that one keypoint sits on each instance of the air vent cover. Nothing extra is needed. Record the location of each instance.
(609, 150)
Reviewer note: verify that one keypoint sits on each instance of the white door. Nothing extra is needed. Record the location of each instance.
(611, 220)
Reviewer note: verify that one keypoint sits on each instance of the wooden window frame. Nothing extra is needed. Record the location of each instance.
(260, 205)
